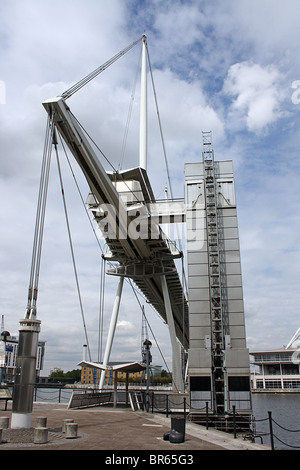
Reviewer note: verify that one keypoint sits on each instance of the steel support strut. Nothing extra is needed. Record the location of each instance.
(111, 332)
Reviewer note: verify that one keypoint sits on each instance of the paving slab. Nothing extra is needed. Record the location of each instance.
(118, 429)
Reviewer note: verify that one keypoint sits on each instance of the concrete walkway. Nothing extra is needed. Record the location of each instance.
(107, 429)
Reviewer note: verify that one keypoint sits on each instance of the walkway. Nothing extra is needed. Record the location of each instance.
(108, 429)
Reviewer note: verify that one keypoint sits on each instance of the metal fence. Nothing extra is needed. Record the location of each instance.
(273, 436)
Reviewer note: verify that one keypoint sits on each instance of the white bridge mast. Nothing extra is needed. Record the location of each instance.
(143, 108)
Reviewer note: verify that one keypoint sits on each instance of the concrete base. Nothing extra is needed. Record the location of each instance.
(71, 430)
(40, 435)
(4, 422)
(20, 420)
(64, 424)
(41, 422)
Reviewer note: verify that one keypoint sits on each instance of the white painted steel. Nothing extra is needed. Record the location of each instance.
(143, 109)
(111, 332)
(20, 420)
(177, 372)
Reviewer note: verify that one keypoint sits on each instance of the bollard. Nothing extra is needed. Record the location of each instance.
(65, 422)
(206, 414)
(71, 430)
(4, 421)
(177, 433)
(40, 435)
(234, 421)
(271, 430)
(41, 422)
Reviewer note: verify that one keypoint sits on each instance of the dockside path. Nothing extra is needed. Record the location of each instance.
(108, 429)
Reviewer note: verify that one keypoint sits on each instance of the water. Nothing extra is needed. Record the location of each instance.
(285, 410)
(54, 395)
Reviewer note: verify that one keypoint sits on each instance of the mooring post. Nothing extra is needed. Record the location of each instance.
(271, 430)
(234, 421)
(206, 414)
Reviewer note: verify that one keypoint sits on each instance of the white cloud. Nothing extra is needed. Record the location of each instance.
(256, 92)
(125, 325)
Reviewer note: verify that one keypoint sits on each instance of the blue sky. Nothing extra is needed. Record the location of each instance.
(223, 65)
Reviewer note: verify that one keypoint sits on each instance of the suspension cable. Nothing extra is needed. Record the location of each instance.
(159, 123)
(129, 114)
(80, 194)
(71, 246)
(134, 291)
(164, 150)
(68, 93)
(39, 223)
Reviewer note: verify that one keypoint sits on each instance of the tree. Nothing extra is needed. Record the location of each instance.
(70, 376)
(74, 374)
(164, 373)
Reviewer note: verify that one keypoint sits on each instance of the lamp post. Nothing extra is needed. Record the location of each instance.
(147, 345)
(3, 338)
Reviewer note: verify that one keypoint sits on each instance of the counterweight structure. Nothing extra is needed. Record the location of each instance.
(219, 374)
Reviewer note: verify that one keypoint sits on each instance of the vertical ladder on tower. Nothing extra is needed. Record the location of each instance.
(215, 292)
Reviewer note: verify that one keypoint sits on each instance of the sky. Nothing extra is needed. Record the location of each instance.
(227, 66)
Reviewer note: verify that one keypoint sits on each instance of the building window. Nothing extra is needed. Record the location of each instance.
(273, 384)
(291, 383)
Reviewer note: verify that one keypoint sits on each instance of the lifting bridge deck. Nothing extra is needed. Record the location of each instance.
(147, 258)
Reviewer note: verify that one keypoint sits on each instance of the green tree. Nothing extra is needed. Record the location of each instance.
(74, 374)
(70, 376)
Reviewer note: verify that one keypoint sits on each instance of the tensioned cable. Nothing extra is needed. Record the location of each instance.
(92, 140)
(71, 247)
(102, 282)
(159, 123)
(102, 273)
(80, 193)
(134, 291)
(96, 72)
(73, 89)
(39, 224)
(129, 113)
(161, 134)
(163, 144)
(106, 158)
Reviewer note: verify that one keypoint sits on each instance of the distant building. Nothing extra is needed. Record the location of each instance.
(91, 375)
(278, 368)
(8, 362)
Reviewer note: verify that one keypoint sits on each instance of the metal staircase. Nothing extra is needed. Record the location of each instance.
(214, 274)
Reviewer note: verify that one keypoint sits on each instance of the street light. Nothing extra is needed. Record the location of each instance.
(147, 345)
(3, 338)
